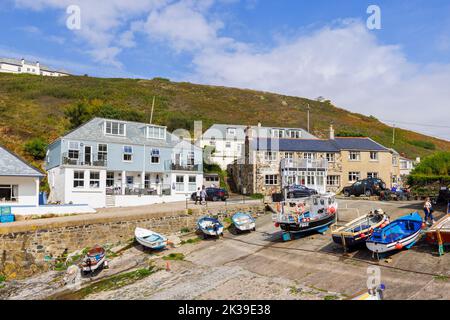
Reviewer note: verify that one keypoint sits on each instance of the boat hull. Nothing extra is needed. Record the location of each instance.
(246, 227)
(432, 237)
(95, 266)
(351, 241)
(158, 246)
(392, 246)
(308, 226)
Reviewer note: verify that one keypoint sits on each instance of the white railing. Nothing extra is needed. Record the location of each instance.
(304, 163)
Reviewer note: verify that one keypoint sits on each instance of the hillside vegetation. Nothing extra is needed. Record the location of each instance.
(34, 107)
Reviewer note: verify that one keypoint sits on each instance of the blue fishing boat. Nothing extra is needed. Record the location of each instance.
(243, 222)
(401, 233)
(210, 226)
(150, 239)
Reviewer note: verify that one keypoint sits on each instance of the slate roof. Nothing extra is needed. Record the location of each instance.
(13, 165)
(135, 134)
(317, 145)
(219, 131)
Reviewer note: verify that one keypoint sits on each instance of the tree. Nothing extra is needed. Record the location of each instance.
(37, 148)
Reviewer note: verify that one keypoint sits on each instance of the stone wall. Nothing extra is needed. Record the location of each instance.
(24, 245)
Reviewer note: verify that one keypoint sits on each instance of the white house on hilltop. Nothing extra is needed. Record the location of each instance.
(8, 65)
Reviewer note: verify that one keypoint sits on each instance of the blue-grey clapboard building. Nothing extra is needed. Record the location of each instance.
(108, 162)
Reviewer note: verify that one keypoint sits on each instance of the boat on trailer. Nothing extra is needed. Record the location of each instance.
(94, 259)
(315, 213)
(210, 226)
(401, 233)
(356, 232)
(150, 239)
(440, 233)
(243, 222)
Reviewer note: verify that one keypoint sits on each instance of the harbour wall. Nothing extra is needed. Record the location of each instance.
(28, 247)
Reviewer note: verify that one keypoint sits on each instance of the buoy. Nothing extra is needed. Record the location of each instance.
(424, 225)
(277, 224)
(167, 266)
(398, 246)
(362, 235)
(332, 210)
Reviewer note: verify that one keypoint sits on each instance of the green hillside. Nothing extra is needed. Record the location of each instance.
(34, 106)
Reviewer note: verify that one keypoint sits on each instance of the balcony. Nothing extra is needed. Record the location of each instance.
(84, 160)
(304, 164)
(171, 166)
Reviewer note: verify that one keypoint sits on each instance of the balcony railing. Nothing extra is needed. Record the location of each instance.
(304, 164)
(137, 189)
(170, 166)
(94, 160)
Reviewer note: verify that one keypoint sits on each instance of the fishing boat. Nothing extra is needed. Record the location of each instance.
(401, 233)
(243, 222)
(315, 213)
(150, 239)
(94, 259)
(210, 226)
(440, 233)
(359, 230)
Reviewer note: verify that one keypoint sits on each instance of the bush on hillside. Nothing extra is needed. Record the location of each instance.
(36, 148)
(423, 144)
(345, 133)
(437, 164)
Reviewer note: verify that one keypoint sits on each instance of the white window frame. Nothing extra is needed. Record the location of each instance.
(120, 125)
(13, 191)
(289, 155)
(271, 179)
(156, 132)
(192, 185)
(127, 154)
(73, 146)
(354, 174)
(228, 144)
(331, 157)
(354, 156)
(277, 133)
(78, 179)
(294, 134)
(309, 156)
(270, 156)
(376, 156)
(103, 153)
(190, 158)
(231, 131)
(179, 185)
(94, 183)
(155, 154)
(333, 181)
(109, 179)
(372, 175)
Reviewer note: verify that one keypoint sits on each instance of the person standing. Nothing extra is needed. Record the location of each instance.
(203, 195)
(428, 209)
(197, 196)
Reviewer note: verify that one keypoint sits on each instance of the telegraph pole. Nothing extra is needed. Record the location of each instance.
(308, 116)
(153, 106)
(393, 134)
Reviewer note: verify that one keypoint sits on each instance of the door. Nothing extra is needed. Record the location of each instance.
(88, 155)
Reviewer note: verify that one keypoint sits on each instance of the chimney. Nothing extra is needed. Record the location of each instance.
(418, 160)
(23, 61)
(331, 131)
(37, 64)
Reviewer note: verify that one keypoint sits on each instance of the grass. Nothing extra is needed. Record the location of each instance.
(2, 278)
(45, 101)
(441, 278)
(114, 282)
(185, 230)
(331, 297)
(191, 241)
(257, 196)
(174, 257)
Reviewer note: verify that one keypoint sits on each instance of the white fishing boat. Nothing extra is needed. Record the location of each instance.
(94, 259)
(150, 239)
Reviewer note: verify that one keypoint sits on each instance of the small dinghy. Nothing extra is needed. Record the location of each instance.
(243, 222)
(356, 232)
(94, 259)
(399, 234)
(210, 226)
(150, 239)
(440, 234)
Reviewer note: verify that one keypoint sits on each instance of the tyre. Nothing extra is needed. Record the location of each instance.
(214, 199)
(346, 193)
(368, 193)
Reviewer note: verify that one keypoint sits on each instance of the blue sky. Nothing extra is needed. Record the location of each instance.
(303, 48)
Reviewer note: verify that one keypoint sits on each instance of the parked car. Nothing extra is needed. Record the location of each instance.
(299, 191)
(444, 195)
(367, 187)
(213, 194)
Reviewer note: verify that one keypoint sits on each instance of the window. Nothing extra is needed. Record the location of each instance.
(277, 133)
(147, 181)
(311, 179)
(9, 193)
(102, 152)
(212, 142)
(94, 179)
(354, 156)
(180, 183)
(231, 131)
(78, 179)
(228, 145)
(394, 161)
(270, 156)
(295, 134)
(353, 176)
(115, 128)
(333, 181)
(372, 174)
(74, 150)
(155, 156)
(190, 159)
(271, 180)
(156, 133)
(128, 153)
(373, 156)
(308, 155)
(289, 155)
(331, 157)
(192, 183)
(110, 179)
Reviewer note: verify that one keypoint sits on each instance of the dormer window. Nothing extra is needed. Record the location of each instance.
(231, 131)
(115, 128)
(154, 132)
